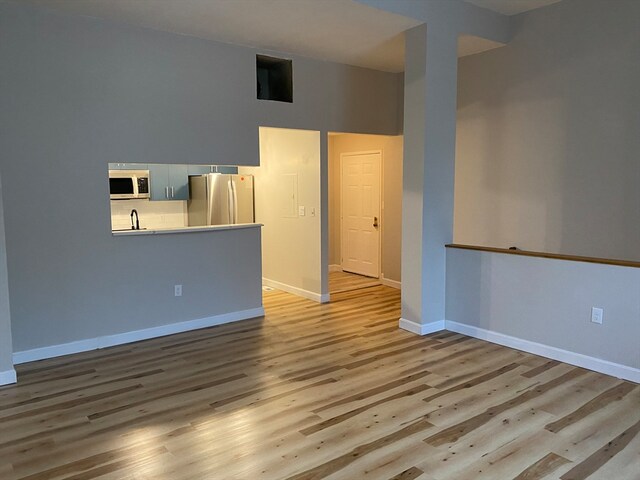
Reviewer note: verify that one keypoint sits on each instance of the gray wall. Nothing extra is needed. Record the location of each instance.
(548, 134)
(6, 363)
(83, 92)
(548, 302)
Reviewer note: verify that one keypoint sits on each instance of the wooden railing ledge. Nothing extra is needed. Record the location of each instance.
(555, 256)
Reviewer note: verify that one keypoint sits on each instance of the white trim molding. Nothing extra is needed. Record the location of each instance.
(390, 283)
(8, 377)
(316, 297)
(421, 328)
(134, 336)
(591, 363)
(335, 268)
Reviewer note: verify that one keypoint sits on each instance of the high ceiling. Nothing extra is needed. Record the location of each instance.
(342, 31)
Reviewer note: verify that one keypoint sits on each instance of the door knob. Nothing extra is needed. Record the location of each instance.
(375, 221)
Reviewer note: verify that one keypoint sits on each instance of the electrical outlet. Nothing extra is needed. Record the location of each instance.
(301, 211)
(177, 290)
(596, 315)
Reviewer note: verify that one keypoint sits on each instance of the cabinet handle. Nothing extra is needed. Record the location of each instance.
(171, 192)
(166, 192)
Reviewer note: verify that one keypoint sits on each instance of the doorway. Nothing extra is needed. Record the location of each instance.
(287, 204)
(365, 211)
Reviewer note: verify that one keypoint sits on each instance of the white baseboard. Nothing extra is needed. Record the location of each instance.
(591, 363)
(578, 359)
(335, 268)
(419, 328)
(316, 297)
(134, 336)
(8, 377)
(390, 283)
(53, 351)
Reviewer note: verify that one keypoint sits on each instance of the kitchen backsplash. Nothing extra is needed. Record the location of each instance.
(166, 214)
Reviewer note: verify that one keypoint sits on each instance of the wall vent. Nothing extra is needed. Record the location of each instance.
(274, 79)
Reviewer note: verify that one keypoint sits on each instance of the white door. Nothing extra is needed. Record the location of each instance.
(360, 213)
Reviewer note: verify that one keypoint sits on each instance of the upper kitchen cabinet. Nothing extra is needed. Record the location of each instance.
(128, 166)
(204, 169)
(226, 169)
(200, 169)
(179, 182)
(169, 182)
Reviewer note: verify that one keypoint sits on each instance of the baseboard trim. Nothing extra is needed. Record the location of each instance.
(591, 363)
(419, 328)
(316, 297)
(8, 377)
(134, 336)
(390, 283)
(335, 268)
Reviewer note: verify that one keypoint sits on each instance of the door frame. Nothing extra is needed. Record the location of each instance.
(380, 203)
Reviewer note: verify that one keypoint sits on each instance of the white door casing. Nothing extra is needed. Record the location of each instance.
(360, 212)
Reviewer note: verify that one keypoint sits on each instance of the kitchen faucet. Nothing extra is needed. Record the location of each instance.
(137, 225)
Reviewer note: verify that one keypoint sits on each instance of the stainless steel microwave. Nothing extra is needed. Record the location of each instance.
(128, 184)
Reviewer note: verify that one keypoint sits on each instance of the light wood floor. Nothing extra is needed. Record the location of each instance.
(317, 391)
(346, 282)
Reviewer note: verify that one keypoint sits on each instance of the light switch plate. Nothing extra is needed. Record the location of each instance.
(596, 315)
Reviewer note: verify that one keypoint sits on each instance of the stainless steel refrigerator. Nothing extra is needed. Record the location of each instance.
(220, 199)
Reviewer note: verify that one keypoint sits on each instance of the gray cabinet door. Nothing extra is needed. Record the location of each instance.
(226, 169)
(159, 180)
(179, 182)
(169, 182)
(199, 169)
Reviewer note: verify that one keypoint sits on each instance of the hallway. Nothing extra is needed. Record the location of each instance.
(345, 282)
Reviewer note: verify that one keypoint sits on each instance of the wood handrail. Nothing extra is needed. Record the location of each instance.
(555, 256)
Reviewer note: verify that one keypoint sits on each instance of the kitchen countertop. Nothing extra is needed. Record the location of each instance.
(161, 231)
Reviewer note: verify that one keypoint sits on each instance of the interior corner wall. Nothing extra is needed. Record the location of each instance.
(6, 348)
(391, 181)
(547, 134)
(287, 180)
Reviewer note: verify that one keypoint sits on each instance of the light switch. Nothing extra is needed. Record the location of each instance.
(301, 211)
(313, 211)
(597, 314)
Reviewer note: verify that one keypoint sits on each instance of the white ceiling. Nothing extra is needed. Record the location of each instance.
(511, 7)
(342, 31)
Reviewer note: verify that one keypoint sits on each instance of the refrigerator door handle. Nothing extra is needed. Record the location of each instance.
(234, 199)
(230, 200)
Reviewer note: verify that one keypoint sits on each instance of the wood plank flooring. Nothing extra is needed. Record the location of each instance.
(345, 282)
(317, 391)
